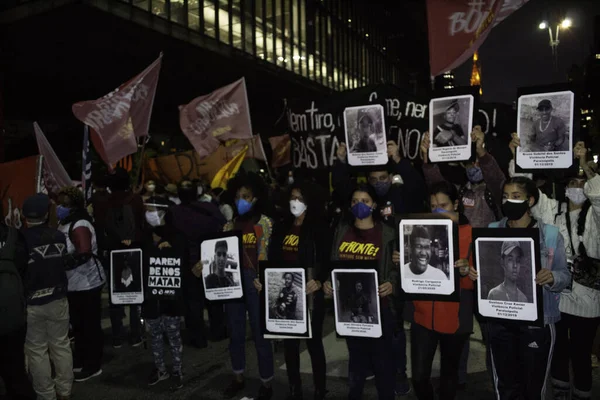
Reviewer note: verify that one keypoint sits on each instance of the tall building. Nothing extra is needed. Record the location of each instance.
(476, 73)
(444, 81)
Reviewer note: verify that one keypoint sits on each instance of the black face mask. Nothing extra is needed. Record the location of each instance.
(514, 209)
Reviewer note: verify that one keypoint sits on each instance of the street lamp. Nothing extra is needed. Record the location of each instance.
(564, 24)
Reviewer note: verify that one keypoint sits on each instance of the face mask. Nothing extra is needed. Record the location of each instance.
(361, 210)
(297, 208)
(576, 195)
(514, 209)
(155, 218)
(439, 210)
(243, 206)
(62, 212)
(381, 188)
(474, 174)
(199, 190)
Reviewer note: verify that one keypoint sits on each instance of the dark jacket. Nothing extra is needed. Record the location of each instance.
(46, 279)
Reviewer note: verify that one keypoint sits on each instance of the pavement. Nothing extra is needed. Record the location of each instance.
(207, 372)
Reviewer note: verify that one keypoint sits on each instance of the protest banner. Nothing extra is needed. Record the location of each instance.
(55, 176)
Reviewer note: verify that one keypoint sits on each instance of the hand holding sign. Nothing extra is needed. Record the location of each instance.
(424, 148)
(514, 143)
(197, 269)
(342, 152)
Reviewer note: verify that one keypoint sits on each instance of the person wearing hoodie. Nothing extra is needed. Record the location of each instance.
(519, 351)
(366, 354)
(447, 323)
(194, 220)
(85, 280)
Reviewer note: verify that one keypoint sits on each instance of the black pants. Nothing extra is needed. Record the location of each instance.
(117, 313)
(520, 357)
(193, 292)
(216, 318)
(574, 342)
(314, 346)
(86, 313)
(12, 366)
(424, 343)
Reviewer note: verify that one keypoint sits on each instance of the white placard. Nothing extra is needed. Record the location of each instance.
(126, 286)
(427, 256)
(450, 126)
(545, 128)
(356, 301)
(221, 268)
(506, 282)
(365, 135)
(285, 305)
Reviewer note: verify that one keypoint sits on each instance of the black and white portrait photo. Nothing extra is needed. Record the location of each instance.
(506, 281)
(356, 301)
(450, 124)
(365, 135)
(285, 291)
(220, 259)
(545, 128)
(427, 255)
(126, 277)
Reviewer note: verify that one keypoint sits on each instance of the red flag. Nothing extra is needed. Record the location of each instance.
(121, 116)
(55, 175)
(281, 146)
(217, 117)
(458, 27)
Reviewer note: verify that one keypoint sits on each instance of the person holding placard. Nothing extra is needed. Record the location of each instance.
(447, 323)
(365, 237)
(518, 351)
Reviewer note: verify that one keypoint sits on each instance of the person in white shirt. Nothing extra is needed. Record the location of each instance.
(420, 254)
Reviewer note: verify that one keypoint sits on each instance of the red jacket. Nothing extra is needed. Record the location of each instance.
(442, 316)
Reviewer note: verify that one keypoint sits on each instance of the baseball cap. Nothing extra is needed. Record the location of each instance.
(454, 105)
(544, 104)
(221, 244)
(36, 206)
(507, 247)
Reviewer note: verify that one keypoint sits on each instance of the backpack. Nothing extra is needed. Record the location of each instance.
(120, 224)
(12, 292)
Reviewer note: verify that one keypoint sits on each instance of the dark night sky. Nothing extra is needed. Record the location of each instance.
(517, 53)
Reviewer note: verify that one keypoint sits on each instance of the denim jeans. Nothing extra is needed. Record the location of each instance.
(236, 323)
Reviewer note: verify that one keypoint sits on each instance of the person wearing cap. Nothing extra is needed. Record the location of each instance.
(172, 193)
(219, 277)
(549, 132)
(510, 256)
(420, 255)
(46, 282)
(364, 126)
(449, 133)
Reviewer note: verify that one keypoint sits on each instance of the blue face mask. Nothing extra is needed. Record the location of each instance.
(439, 210)
(243, 206)
(361, 210)
(62, 212)
(474, 174)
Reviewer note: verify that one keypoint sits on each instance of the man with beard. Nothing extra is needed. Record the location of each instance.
(449, 133)
(420, 255)
(359, 305)
(511, 255)
(549, 133)
(219, 278)
(364, 126)
(286, 302)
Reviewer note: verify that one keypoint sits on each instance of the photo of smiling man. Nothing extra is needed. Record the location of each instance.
(420, 256)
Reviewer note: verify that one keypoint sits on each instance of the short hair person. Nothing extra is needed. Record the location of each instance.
(449, 133)
(549, 132)
(287, 299)
(420, 255)
(364, 126)
(511, 256)
(219, 277)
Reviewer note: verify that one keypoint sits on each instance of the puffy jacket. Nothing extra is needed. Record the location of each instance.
(449, 316)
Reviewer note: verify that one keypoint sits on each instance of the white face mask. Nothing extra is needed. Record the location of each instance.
(297, 208)
(576, 195)
(155, 218)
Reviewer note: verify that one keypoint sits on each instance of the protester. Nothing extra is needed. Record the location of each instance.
(303, 239)
(86, 278)
(47, 306)
(173, 193)
(364, 227)
(250, 195)
(518, 351)
(163, 316)
(578, 222)
(446, 323)
(194, 220)
(13, 329)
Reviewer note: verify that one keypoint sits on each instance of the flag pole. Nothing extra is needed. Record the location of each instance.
(262, 149)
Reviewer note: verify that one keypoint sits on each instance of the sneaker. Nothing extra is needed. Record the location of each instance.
(234, 388)
(177, 379)
(117, 343)
(157, 376)
(264, 393)
(402, 387)
(137, 342)
(85, 375)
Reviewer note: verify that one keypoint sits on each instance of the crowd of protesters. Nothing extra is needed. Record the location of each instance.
(59, 273)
